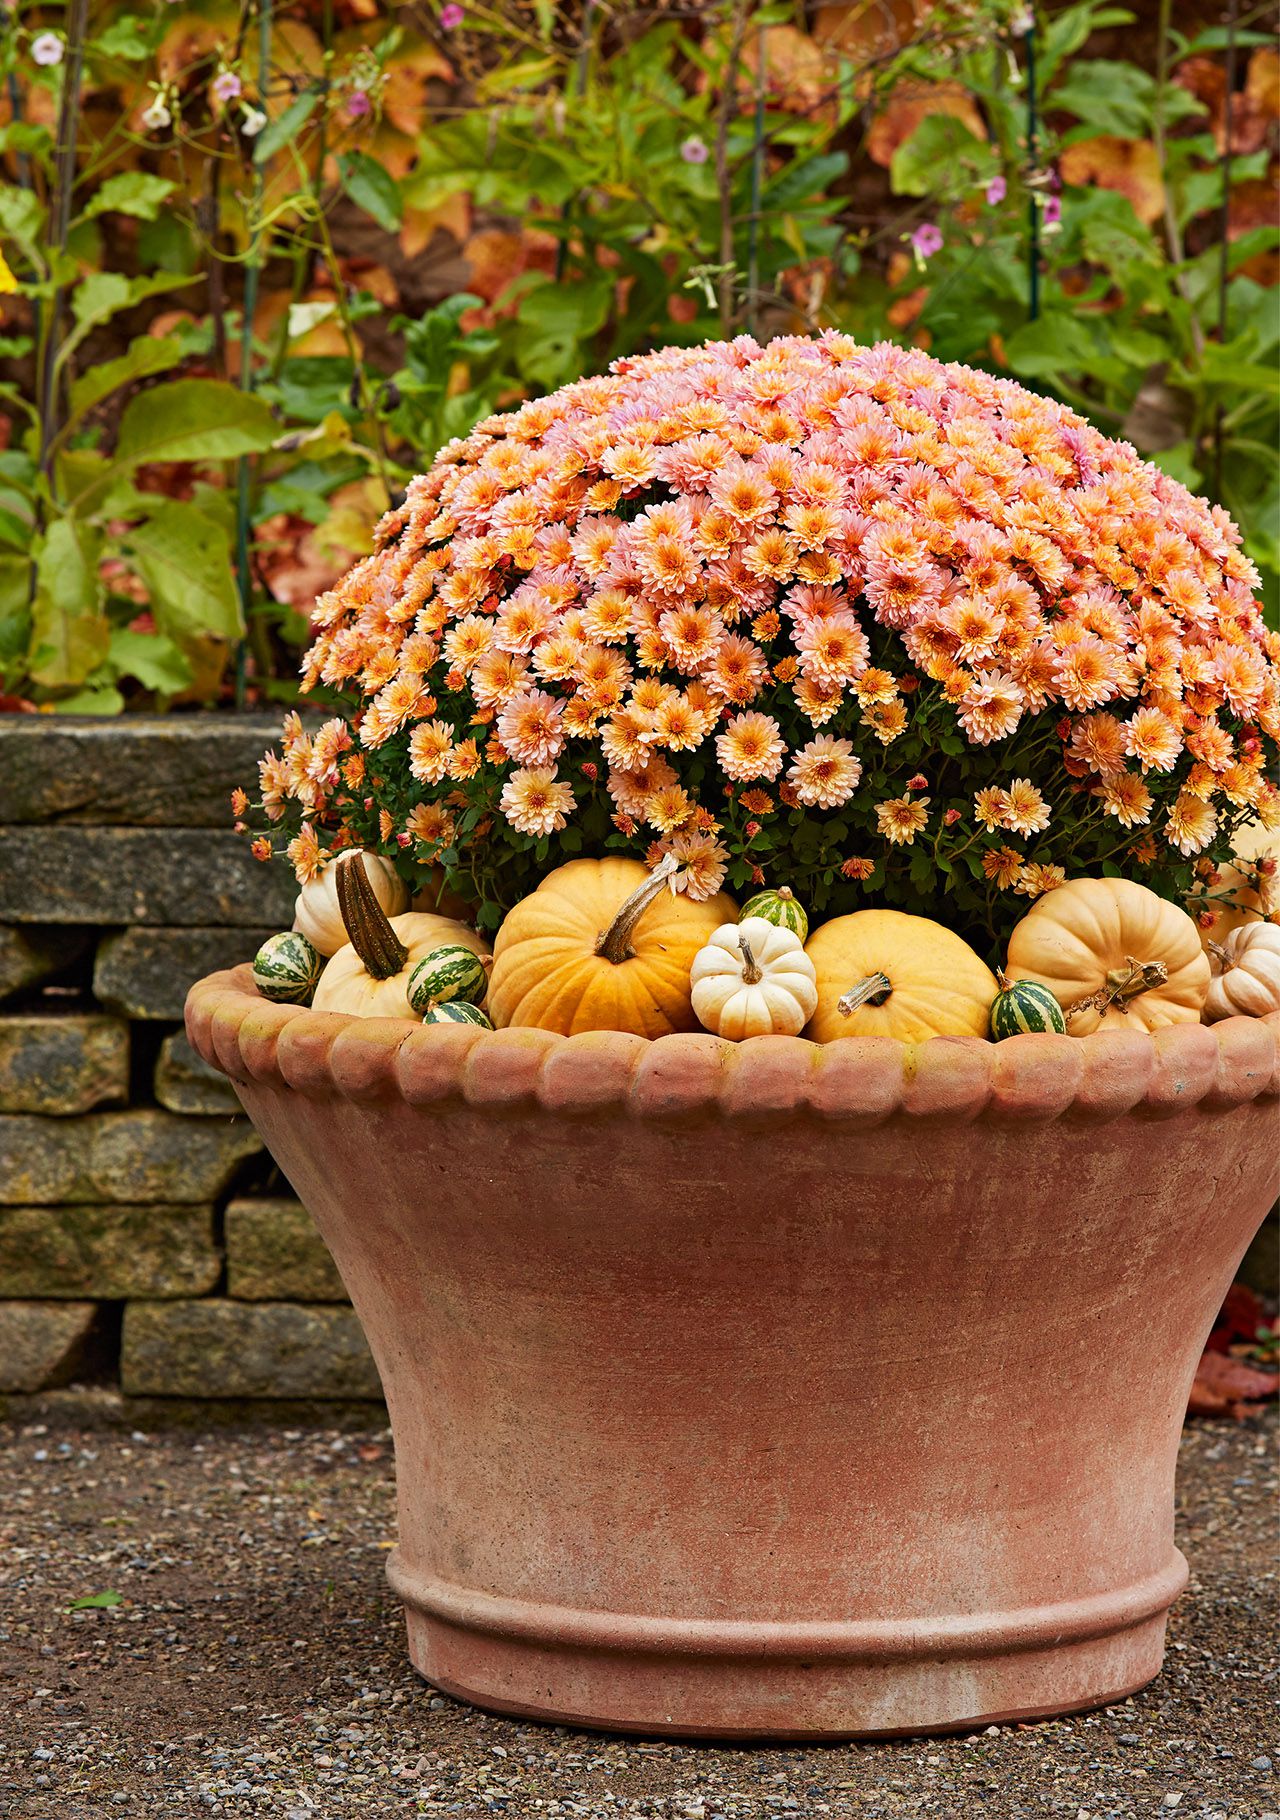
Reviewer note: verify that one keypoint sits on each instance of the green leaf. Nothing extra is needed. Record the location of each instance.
(94, 698)
(941, 154)
(98, 1601)
(102, 295)
(135, 193)
(193, 420)
(147, 355)
(373, 189)
(153, 659)
(22, 220)
(127, 38)
(274, 137)
(184, 558)
(69, 633)
(15, 614)
(555, 320)
(1112, 97)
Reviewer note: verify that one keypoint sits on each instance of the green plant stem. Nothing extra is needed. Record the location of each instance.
(64, 189)
(724, 176)
(1159, 136)
(1033, 153)
(757, 185)
(249, 306)
(1224, 232)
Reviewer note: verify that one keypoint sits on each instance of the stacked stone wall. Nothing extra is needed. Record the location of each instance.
(146, 1240)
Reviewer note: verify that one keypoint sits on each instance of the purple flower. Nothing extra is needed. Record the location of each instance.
(225, 87)
(47, 49)
(358, 104)
(694, 151)
(997, 190)
(451, 17)
(927, 240)
(1052, 211)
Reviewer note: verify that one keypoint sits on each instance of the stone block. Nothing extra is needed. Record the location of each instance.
(43, 1344)
(108, 1252)
(147, 973)
(275, 1254)
(244, 1349)
(174, 770)
(122, 1157)
(174, 876)
(63, 1064)
(186, 1083)
(29, 956)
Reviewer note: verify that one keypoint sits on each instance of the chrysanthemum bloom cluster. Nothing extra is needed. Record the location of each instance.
(838, 617)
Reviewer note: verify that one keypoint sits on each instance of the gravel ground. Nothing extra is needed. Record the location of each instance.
(255, 1664)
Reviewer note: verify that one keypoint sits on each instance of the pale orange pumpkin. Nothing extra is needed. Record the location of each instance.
(884, 973)
(370, 976)
(1114, 954)
(602, 944)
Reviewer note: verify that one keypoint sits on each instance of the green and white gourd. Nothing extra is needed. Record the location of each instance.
(780, 907)
(1024, 1007)
(456, 1011)
(446, 975)
(287, 968)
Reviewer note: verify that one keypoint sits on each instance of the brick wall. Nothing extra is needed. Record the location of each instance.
(146, 1239)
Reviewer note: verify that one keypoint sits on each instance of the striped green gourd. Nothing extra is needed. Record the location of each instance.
(781, 908)
(1023, 1006)
(448, 973)
(456, 1011)
(286, 968)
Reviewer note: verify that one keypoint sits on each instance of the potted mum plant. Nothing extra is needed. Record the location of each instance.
(794, 1064)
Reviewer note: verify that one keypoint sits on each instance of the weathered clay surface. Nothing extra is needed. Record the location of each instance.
(274, 1253)
(248, 1349)
(119, 1156)
(174, 876)
(772, 1389)
(63, 1064)
(108, 1251)
(185, 1082)
(171, 770)
(147, 973)
(44, 1344)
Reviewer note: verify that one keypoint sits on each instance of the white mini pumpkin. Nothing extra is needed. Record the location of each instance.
(317, 912)
(1246, 973)
(753, 979)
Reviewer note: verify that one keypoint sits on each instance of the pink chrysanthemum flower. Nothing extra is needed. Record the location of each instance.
(534, 802)
(750, 747)
(824, 773)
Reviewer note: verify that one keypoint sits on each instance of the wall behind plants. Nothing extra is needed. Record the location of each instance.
(146, 1241)
(261, 260)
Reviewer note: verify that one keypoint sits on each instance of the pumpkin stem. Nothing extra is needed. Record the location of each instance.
(365, 921)
(1001, 980)
(873, 990)
(785, 893)
(614, 943)
(752, 971)
(1219, 954)
(1123, 984)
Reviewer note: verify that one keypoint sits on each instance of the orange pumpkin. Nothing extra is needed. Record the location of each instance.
(602, 944)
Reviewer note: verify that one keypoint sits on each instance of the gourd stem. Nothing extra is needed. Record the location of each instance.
(1123, 984)
(873, 990)
(785, 893)
(752, 971)
(1001, 979)
(614, 943)
(366, 923)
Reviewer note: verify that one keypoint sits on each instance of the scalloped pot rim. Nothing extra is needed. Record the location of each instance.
(860, 1080)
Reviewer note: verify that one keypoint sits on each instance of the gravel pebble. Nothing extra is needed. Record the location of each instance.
(254, 1665)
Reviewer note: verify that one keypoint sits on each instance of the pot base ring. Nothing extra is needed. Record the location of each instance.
(847, 1679)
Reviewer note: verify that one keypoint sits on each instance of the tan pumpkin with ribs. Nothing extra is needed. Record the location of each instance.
(1246, 974)
(1114, 954)
(602, 944)
(370, 976)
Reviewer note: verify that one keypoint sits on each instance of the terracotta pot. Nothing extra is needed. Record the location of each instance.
(768, 1390)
